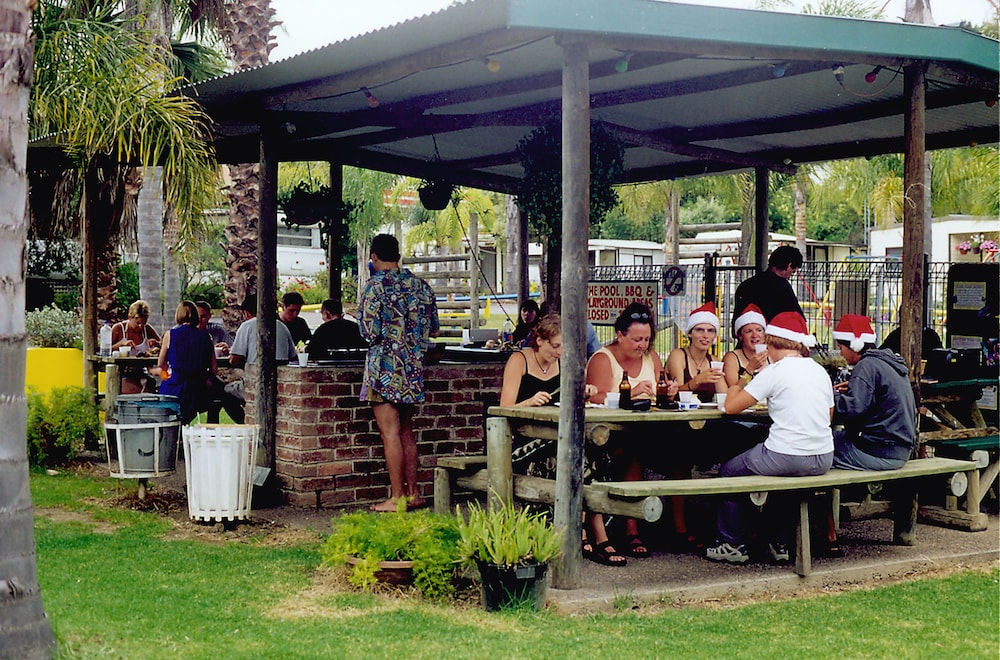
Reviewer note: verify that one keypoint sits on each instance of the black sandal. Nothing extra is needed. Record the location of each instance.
(601, 554)
(634, 546)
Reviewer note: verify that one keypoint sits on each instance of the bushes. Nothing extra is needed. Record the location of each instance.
(51, 327)
(61, 425)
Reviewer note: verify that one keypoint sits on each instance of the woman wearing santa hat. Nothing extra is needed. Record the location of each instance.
(746, 359)
(799, 443)
(691, 366)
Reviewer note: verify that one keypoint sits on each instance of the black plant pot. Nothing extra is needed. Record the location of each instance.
(504, 587)
(435, 195)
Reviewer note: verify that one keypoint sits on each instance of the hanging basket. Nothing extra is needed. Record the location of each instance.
(435, 195)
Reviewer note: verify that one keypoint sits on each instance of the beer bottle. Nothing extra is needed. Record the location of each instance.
(662, 398)
(625, 392)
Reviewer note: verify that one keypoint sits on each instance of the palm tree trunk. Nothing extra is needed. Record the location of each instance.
(149, 226)
(800, 214)
(171, 269)
(25, 631)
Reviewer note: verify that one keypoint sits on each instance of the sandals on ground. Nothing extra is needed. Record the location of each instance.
(634, 546)
(604, 553)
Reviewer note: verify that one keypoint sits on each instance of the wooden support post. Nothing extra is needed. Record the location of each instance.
(576, 224)
(762, 233)
(904, 514)
(803, 545)
(915, 219)
(266, 405)
(337, 229)
(112, 388)
(442, 491)
(498, 465)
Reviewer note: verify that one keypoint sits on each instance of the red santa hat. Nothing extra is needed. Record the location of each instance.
(751, 314)
(704, 314)
(792, 326)
(856, 330)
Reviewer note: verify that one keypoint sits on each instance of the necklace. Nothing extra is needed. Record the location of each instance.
(697, 366)
(545, 370)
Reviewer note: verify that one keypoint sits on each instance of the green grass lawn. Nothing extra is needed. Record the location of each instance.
(115, 584)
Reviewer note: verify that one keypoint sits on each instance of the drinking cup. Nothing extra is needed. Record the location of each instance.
(303, 359)
(124, 351)
(717, 365)
(760, 348)
(612, 399)
(685, 396)
(219, 352)
(720, 399)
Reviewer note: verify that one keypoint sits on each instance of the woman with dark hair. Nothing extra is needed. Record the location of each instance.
(527, 319)
(187, 360)
(629, 355)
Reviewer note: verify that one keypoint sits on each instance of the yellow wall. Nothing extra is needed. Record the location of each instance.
(56, 367)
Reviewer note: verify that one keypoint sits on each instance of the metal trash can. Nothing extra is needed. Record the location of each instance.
(142, 438)
(219, 462)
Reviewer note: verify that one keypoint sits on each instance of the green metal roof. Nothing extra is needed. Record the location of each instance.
(706, 89)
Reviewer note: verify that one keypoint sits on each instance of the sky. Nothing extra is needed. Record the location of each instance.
(308, 24)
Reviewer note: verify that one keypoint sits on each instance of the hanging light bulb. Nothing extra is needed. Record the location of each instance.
(872, 75)
(838, 73)
(621, 64)
(492, 65)
(373, 101)
(778, 70)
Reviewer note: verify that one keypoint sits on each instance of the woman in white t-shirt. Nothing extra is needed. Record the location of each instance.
(799, 443)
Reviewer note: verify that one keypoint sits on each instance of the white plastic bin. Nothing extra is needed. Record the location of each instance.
(219, 461)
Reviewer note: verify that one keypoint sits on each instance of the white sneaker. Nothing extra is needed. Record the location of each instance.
(728, 553)
(778, 552)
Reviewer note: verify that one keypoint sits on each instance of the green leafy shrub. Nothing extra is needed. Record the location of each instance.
(51, 327)
(61, 424)
(508, 536)
(128, 287)
(429, 540)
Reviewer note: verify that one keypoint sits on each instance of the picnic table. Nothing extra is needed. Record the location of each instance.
(114, 365)
(493, 473)
(953, 426)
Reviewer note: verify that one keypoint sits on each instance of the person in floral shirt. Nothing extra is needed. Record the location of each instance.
(397, 315)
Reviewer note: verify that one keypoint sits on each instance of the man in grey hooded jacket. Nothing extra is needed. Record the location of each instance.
(875, 406)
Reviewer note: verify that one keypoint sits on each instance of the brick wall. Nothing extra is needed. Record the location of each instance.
(328, 447)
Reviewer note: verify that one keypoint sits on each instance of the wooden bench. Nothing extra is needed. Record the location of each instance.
(470, 473)
(905, 505)
(981, 445)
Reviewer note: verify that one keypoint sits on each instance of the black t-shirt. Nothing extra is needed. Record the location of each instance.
(299, 330)
(334, 334)
(772, 293)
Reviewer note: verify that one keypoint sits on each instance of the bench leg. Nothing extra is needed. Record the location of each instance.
(442, 491)
(904, 515)
(803, 549)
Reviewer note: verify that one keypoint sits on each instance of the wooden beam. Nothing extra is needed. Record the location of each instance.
(762, 226)
(266, 404)
(915, 219)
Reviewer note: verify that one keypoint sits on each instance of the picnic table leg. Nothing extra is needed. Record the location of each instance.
(442, 491)
(112, 388)
(904, 514)
(498, 467)
(803, 549)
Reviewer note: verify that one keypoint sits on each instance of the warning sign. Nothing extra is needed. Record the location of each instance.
(606, 300)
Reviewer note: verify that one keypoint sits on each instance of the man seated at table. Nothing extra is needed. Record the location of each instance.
(335, 333)
(874, 410)
(215, 330)
(244, 352)
(875, 405)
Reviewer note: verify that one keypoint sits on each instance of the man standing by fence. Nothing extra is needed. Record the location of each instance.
(397, 316)
(770, 290)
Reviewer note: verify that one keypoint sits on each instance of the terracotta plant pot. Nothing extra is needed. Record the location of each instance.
(390, 572)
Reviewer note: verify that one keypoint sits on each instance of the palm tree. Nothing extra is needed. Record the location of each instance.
(25, 631)
(100, 95)
(248, 37)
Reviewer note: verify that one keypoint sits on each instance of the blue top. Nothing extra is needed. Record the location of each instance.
(189, 355)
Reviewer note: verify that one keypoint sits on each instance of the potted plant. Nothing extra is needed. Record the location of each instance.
(964, 247)
(387, 547)
(435, 195)
(512, 548)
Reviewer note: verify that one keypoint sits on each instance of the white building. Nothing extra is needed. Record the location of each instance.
(946, 233)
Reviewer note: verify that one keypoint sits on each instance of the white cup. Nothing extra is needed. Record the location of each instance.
(124, 351)
(219, 351)
(716, 365)
(303, 359)
(685, 396)
(720, 399)
(612, 399)
(760, 348)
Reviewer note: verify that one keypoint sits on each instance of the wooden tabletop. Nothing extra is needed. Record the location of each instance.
(550, 414)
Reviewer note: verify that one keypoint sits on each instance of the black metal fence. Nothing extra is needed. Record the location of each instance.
(826, 291)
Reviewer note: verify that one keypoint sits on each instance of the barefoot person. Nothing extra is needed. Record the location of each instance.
(397, 315)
